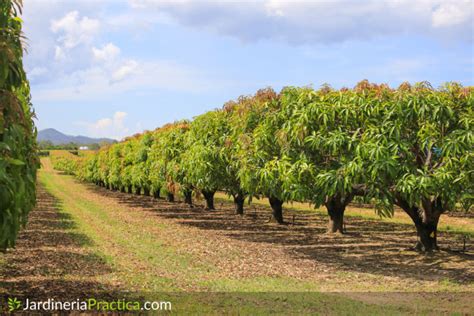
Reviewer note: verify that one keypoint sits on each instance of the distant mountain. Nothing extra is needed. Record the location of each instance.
(58, 138)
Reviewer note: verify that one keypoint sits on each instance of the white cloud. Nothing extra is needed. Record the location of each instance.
(67, 41)
(81, 67)
(98, 82)
(125, 70)
(119, 117)
(452, 13)
(37, 72)
(308, 22)
(108, 127)
(59, 54)
(107, 53)
(75, 30)
(103, 123)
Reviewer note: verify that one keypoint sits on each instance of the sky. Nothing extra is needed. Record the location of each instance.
(115, 68)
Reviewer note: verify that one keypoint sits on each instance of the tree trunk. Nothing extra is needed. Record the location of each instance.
(425, 218)
(427, 234)
(130, 189)
(122, 189)
(170, 197)
(336, 220)
(239, 200)
(138, 190)
(277, 209)
(156, 194)
(188, 197)
(336, 205)
(209, 197)
(146, 191)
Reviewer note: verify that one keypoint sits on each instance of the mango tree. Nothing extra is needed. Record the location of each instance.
(146, 141)
(204, 164)
(263, 167)
(156, 164)
(114, 161)
(235, 116)
(171, 149)
(140, 175)
(64, 161)
(326, 131)
(103, 167)
(126, 166)
(429, 137)
(90, 170)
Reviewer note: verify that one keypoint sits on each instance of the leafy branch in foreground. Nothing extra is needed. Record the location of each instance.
(18, 149)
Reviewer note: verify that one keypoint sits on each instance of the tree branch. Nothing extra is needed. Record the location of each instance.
(359, 189)
(428, 158)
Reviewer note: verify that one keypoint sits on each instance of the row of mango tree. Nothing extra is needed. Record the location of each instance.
(410, 147)
(18, 154)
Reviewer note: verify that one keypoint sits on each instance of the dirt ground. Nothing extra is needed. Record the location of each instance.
(369, 247)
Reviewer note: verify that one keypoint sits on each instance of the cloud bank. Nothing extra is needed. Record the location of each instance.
(321, 21)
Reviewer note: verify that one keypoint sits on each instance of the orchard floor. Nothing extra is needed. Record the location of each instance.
(82, 240)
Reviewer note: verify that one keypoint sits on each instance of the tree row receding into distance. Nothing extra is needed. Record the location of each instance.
(18, 153)
(410, 147)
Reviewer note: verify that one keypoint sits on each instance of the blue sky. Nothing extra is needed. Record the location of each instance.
(114, 68)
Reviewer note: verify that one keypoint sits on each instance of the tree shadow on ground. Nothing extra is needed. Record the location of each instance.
(370, 246)
(51, 260)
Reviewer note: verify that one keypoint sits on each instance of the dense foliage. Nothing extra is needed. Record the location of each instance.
(68, 162)
(424, 153)
(411, 147)
(18, 154)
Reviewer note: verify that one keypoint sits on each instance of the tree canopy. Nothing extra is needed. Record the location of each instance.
(409, 147)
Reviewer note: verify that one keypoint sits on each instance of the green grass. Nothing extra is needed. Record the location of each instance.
(261, 284)
(106, 230)
(277, 303)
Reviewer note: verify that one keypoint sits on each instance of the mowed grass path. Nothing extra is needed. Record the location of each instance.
(145, 251)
